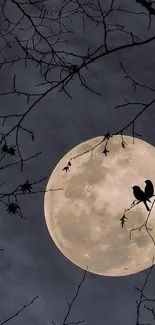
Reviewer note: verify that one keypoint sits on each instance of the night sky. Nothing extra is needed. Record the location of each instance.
(30, 264)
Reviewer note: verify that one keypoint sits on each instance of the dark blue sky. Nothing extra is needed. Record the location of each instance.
(30, 264)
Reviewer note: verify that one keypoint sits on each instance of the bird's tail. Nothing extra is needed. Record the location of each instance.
(146, 206)
(147, 198)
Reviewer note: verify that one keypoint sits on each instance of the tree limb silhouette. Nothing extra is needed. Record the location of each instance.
(19, 311)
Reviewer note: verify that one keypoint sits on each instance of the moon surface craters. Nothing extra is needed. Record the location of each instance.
(84, 218)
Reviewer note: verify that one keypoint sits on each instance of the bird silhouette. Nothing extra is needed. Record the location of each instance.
(149, 189)
(140, 195)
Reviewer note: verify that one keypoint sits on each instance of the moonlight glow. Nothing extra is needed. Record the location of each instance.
(83, 218)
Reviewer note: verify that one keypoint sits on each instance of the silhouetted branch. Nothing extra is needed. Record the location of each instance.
(19, 311)
(20, 161)
(12, 204)
(135, 83)
(67, 70)
(44, 50)
(123, 218)
(144, 299)
(70, 305)
(147, 5)
(145, 225)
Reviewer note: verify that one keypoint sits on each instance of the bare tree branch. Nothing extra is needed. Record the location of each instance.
(70, 305)
(19, 311)
(143, 298)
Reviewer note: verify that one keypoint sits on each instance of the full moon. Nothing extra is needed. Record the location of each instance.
(84, 203)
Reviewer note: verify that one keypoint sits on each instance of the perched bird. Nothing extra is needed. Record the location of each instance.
(140, 195)
(149, 189)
